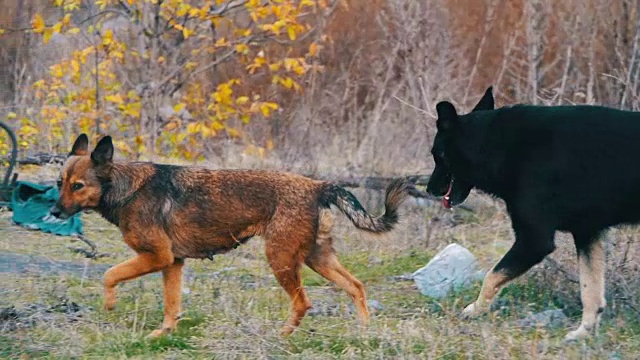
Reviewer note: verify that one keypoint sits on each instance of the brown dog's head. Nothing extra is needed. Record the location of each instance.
(79, 182)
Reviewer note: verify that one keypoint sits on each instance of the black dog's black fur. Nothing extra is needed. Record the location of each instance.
(567, 168)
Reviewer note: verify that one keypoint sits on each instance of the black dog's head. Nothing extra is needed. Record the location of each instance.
(442, 181)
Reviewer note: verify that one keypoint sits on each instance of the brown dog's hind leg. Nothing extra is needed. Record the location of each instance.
(172, 279)
(323, 260)
(330, 268)
(285, 262)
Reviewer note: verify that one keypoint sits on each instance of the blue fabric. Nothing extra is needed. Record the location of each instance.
(30, 204)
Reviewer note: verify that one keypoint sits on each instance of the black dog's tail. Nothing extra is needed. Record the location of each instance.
(397, 192)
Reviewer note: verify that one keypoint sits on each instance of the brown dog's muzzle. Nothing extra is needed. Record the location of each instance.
(59, 212)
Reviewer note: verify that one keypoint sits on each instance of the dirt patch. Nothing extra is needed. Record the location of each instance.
(25, 264)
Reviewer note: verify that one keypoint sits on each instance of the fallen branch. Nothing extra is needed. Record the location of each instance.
(91, 254)
(42, 159)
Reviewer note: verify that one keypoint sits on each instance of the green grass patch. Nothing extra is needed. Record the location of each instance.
(12, 348)
(360, 265)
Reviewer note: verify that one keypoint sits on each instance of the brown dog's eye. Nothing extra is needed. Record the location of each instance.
(77, 186)
(59, 183)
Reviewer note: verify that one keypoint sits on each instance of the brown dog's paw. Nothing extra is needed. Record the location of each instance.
(159, 332)
(109, 302)
(287, 330)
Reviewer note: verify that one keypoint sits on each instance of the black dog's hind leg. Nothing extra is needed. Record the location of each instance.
(533, 243)
(591, 260)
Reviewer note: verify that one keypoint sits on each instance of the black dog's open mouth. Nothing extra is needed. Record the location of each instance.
(446, 199)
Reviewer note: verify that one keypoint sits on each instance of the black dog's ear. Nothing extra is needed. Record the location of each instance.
(80, 146)
(103, 153)
(487, 102)
(447, 115)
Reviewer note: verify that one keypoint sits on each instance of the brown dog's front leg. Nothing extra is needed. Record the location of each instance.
(142, 264)
(172, 277)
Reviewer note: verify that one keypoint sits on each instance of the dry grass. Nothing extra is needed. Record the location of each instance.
(233, 306)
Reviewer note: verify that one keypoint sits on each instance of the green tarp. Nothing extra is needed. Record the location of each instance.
(30, 204)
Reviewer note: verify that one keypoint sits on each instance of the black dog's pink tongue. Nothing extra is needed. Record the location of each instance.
(446, 201)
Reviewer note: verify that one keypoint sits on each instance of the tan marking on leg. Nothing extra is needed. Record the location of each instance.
(492, 284)
(592, 268)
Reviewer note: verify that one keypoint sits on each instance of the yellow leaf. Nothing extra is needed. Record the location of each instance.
(38, 23)
(57, 27)
(74, 30)
(206, 131)
(233, 132)
(193, 128)
(46, 36)
(266, 108)
(186, 32)
(66, 20)
(287, 82)
(75, 65)
(275, 66)
(221, 42)
(160, 59)
(178, 107)
(292, 33)
(217, 125)
(270, 145)
(107, 39)
(242, 49)
(11, 115)
(313, 49)
(242, 100)
(1, 31)
(183, 10)
(194, 12)
(171, 126)
(102, 3)
(115, 98)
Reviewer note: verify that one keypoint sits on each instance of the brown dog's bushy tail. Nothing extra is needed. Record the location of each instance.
(397, 192)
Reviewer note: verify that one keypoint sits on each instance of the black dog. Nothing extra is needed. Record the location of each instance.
(564, 168)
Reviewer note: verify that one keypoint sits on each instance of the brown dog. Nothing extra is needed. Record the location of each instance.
(169, 213)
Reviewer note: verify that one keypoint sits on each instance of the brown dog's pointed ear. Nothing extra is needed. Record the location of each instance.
(103, 153)
(487, 102)
(447, 116)
(80, 146)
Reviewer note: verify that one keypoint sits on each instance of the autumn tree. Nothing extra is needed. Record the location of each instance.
(167, 74)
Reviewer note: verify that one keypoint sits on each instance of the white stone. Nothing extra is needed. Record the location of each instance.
(451, 269)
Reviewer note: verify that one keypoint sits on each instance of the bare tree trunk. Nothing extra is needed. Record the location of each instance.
(634, 66)
(489, 19)
(536, 13)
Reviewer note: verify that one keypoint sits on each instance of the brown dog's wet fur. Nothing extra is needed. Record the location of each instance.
(170, 213)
